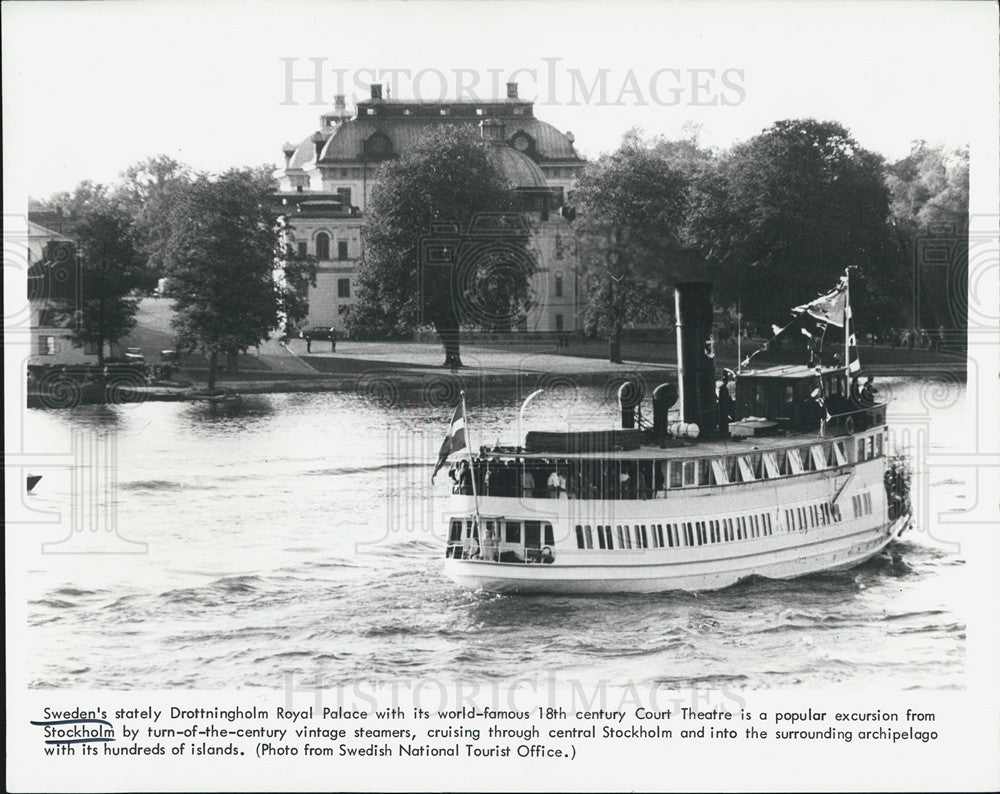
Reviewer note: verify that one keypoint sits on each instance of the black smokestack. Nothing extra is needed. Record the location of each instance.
(696, 353)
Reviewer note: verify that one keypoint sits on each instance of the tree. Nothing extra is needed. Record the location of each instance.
(147, 191)
(785, 213)
(930, 199)
(449, 179)
(233, 277)
(632, 206)
(109, 268)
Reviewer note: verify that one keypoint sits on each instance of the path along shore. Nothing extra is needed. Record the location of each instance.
(381, 368)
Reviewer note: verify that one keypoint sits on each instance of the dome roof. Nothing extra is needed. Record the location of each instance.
(520, 169)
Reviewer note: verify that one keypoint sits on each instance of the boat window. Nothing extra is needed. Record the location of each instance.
(621, 537)
(878, 445)
(826, 513)
(704, 471)
(767, 521)
(688, 535)
(771, 465)
(588, 536)
(675, 474)
(861, 449)
(549, 536)
(733, 468)
(754, 526)
(868, 503)
(656, 543)
(643, 538)
(739, 528)
(512, 532)
(600, 537)
(456, 531)
(871, 446)
(730, 532)
(746, 473)
(719, 470)
(659, 535)
(836, 512)
(689, 472)
(702, 533)
(579, 536)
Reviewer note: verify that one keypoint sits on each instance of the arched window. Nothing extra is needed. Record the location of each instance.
(322, 246)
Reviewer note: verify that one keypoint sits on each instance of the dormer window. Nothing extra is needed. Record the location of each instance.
(445, 111)
(518, 111)
(479, 111)
(406, 111)
(370, 111)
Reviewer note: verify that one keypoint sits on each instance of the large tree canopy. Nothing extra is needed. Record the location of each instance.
(148, 191)
(632, 206)
(110, 268)
(785, 213)
(432, 195)
(233, 278)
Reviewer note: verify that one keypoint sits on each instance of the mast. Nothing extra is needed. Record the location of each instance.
(847, 318)
(680, 349)
(739, 338)
(472, 466)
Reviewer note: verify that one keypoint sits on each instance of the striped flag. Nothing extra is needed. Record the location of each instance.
(455, 440)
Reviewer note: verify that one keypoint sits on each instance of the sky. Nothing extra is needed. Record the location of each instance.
(90, 87)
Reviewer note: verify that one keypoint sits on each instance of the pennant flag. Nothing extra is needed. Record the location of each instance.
(831, 308)
(454, 441)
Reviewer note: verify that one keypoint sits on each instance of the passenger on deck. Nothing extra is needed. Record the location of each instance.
(855, 393)
(868, 392)
(557, 485)
(725, 405)
(464, 478)
(527, 482)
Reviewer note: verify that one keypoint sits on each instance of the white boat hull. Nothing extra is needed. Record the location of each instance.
(812, 555)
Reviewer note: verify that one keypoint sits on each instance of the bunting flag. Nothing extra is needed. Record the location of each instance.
(455, 440)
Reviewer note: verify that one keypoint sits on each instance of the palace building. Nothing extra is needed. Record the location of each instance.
(327, 178)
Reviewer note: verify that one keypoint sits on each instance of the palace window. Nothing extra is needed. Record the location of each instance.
(559, 286)
(323, 246)
(342, 249)
(343, 288)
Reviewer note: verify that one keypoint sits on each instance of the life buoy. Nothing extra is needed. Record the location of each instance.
(849, 425)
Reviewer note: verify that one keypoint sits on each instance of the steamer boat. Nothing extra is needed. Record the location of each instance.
(790, 478)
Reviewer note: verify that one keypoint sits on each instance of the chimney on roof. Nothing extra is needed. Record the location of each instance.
(376, 91)
(318, 140)
(511, 90)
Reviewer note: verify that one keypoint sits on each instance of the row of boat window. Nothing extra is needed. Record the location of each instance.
(662, 536)
(631, 479)
(722, 530)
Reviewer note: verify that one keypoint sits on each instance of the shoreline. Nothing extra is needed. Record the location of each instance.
(386, 382)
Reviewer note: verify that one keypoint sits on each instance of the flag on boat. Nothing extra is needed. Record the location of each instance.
(831, 308)
(455, 440)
